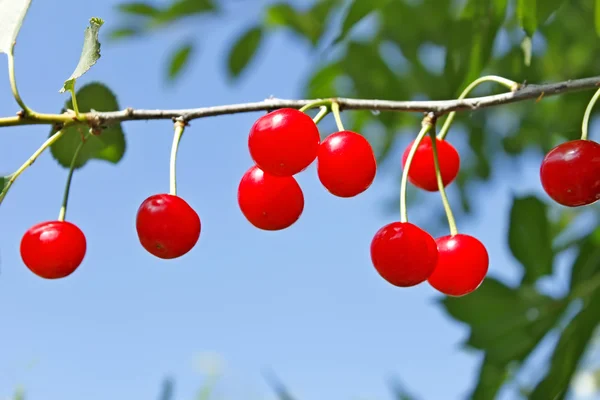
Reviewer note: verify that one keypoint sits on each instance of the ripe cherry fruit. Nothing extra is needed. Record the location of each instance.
(284, 142)
(422, 168)
(270, 202)
(403, 254)
(461, 266)
(167, 226)
(53, 249)
(346, 164)
(570, 173)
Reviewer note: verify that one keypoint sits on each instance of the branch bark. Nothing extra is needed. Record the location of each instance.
(439, 107)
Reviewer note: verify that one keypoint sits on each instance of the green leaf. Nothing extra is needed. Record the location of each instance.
(597, 17)
(109, 145)
(179, 59)
(357, 11)
(12, 14)
(587, 263)
(527, 14)
(124, 32)
(545, 9)
(244, 50)
(139, 8)
(568, 352)
(183, 8)
(89, 55)
(529, 237)
(491, 379)
(310, 24)
(507, 323)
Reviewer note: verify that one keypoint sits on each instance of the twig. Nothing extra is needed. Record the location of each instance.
(439, 107)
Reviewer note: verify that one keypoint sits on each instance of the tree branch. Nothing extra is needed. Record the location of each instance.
(439, 107)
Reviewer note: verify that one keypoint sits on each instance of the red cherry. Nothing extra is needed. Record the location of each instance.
(167, 226)
(270, 202)
(422, 168)
(284, 142)
(53, 249)
(462, 265)
(346, 164)
(403, 254)
(570, 173)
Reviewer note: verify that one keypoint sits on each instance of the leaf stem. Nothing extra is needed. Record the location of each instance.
(441, 188)
(425, 128)
(63, 208)
(316, 103)
(179, 128)
(13, 81)
(511, 85)
(30, 161)
(335, 109)
(588, 113)
(322, 113)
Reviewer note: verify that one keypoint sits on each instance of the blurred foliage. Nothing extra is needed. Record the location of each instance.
(431, 49)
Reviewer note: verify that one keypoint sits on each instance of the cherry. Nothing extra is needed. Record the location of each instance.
(403, 254)
(570, 173)
(270, 202)
(461, 266)
(422, 168)
(284, 142)
(167, 226)
(346, 164)
(53, 249)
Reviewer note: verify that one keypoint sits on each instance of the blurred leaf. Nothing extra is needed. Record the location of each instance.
(166, 391)
(491, 379)
(357, 11)
(545, 8)
(310, 24)
(124, 32)
(179, 59)
(597, 17)
(139, 8)
(89, 55)
(568, 352)
(587, 263)
(507, 323)
(529, 237)
(183, 8)
(108, 145)
(12, 14)
(281, 391)
(244, 50)
(322, 81)
(399, 391)
(527, 14)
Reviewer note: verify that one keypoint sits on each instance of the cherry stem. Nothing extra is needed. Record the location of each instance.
(63, 208)
(13, 81)
(588, 113)
(425, 127)
(512, 85)
(441, 188)
(316, 103)
(322, 113)
(13, 177)
(335, 109)
(179, 128)
(74, 99)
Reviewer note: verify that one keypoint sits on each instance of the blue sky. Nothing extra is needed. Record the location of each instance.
(304, 302)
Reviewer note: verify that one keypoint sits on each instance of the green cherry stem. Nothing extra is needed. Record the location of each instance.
(335, 109)
(179, 128)
(588, 113)
(442, 189)
(425, 128)
(13, 177)
(511, 85)
(63, 208)
(316, 103)
(13, 81)
(321, 114)
(74, 99)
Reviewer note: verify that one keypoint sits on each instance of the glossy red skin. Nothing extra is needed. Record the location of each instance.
(53, 249)
(403, 254)
(570, 173)
(422, 168)
(167, 226)
(284, 142)
(270, 202)
(346, 164)
(461, 267)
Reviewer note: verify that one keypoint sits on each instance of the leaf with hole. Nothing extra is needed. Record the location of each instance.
(12, 14)
(109, 145)
(89, 55)
(244, 50)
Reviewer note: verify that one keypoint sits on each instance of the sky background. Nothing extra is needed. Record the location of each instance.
(304, 302)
